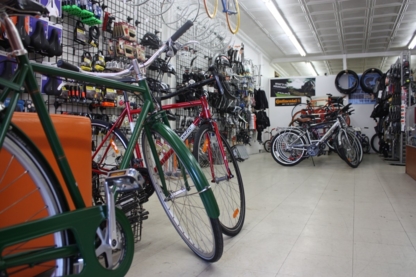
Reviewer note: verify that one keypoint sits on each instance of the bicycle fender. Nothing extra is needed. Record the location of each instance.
(195, 172)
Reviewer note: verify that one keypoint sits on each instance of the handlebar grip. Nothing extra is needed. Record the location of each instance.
(188, 24)
(65, 65)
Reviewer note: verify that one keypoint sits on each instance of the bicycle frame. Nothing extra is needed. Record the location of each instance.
(83, 222)
(204, 116)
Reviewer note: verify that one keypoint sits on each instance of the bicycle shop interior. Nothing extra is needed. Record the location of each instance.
(316, 102)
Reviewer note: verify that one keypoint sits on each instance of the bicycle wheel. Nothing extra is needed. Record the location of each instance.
(211, 7)
(230, 89)
(181, 11)
(287, 148)
(158, 7)
(349, 148)
(139, 2)
(233, 16)
(29, 191)
(267, 145)
(298, 107)
(229, 192)
(375, 143)
(107, 153)
(365, 144)
(181, 201)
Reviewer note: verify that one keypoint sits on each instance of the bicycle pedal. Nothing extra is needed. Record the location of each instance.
(125, 179)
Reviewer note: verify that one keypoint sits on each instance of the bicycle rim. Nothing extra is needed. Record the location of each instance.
(282, 150)
(159, 7)
(267, 145)
(181, 11)
(211, 7)
(233, 16)
(229, 192)
(183, 206)
(28, 193)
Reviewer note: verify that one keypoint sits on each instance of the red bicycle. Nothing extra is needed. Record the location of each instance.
(211, 149)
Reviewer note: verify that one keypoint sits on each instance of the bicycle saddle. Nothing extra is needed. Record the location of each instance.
(55, 49)
(20, 26)
(38, 39)
(51, 87)
(26, 7)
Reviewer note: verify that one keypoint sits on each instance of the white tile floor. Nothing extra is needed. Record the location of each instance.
(327, 220)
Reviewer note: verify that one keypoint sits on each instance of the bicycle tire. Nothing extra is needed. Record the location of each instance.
(187, 203)
(375, 143)
(230, 89)
(297, 108)
(287, 157)
(100, 129)
(366, 144)
(38, 189)
(211, 7)
(267, 145)
(228, 193)
(348, 148)
(233, 16)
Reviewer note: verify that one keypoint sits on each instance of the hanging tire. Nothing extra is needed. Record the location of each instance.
(367, 86)
(351, 88)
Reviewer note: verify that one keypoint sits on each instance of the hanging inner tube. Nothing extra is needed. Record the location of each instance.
(369, 79)
(349, 80)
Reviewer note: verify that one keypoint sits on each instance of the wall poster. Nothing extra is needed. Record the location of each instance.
(292, 87)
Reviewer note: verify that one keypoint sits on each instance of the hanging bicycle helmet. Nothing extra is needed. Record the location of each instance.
(346, 81)
(369, 79)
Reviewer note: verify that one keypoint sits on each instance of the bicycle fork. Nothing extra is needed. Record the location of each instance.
(207, 148)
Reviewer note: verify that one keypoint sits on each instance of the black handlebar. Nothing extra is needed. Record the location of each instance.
(188, 24)
(66, 65)
(187, 88)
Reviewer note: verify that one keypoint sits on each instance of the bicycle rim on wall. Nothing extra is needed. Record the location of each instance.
(180, 12)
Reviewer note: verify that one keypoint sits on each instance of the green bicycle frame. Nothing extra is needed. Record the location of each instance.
(84, 221)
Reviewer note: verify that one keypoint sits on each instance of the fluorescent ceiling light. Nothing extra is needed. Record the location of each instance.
(311, 68)
(284, 26)
(412, 44)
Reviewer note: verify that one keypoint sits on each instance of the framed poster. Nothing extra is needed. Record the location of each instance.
(292, 87)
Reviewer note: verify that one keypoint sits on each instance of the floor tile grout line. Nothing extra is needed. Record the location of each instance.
(290, 251)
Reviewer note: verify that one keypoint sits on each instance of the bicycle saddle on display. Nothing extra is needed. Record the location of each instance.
(28, 7)
(51, 87)
(55, 49)
(38, 39)
(20, 26)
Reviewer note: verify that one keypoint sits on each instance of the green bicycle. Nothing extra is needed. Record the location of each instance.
(93, 241)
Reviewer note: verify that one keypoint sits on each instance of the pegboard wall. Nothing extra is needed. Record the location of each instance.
(139, 18)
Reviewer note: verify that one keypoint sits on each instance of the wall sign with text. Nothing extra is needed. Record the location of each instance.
(287, 101)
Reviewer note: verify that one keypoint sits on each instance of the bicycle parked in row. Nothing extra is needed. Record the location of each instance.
(56, 241)
(291, 145)
(210, 148)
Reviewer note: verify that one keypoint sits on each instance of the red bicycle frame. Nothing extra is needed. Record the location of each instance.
(204, 116)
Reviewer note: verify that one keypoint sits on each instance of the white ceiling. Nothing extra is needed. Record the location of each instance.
(367, 33)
